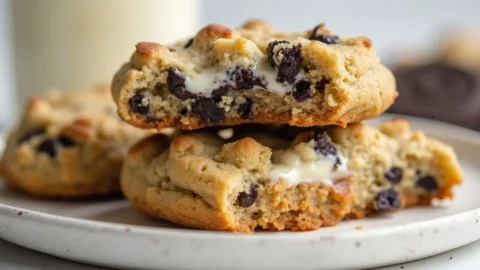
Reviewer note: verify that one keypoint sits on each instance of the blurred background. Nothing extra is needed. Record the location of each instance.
(70, 44)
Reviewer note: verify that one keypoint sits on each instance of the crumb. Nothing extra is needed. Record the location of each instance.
(358, 227)
(225, 133)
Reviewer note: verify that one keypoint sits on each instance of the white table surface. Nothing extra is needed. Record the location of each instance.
(19, 258)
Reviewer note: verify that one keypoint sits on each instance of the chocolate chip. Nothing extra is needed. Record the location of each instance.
(290, 64)
(176, 84)
(245, 109)
(428, 183)
(301, 91)
(65, 141)
(247, 199)
(321, 85)
(394, 175)
(189, 43)
(245, 80)
(323, 144)
(327, 39)
(221, 91)
(136, 104)
(270, 47)
(184, 111)
(290, 60)
(48, 146)
(388, 199)
(32, 133)
(172, 49)
(209, 111)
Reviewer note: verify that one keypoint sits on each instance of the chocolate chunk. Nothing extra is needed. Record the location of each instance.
(245, 80)
(221, 91)
(189, 43)
(65, 141)
(209, 111)
(270, 47)
(327, 39)
(428, 90)
(136, 104)
(394, 175)
(321, 85)
(49, 147)
(323, 144)
(289, 62)
(247, 199)
(176, 84)
(184, 111)
(388, 199)
(30, 134)
(301, 91)
(428, 183)
(245, 109)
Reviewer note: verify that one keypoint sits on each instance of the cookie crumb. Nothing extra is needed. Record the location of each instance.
(225, 133)
(358, 227)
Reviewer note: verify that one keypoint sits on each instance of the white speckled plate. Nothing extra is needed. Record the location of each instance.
(110, 233)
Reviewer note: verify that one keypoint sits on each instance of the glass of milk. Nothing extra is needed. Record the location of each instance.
(69, 44)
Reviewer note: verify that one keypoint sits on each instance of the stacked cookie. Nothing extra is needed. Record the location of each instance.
(275, 140)
(268, 134)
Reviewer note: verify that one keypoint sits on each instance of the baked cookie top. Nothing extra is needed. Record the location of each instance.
(253, 74)
(80, 115)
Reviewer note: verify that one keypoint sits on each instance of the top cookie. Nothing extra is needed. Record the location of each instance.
(253, 74)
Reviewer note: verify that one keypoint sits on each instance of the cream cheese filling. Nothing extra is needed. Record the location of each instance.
(211, 78)
(289, 166)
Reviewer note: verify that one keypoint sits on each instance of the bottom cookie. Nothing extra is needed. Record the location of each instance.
(283, 178)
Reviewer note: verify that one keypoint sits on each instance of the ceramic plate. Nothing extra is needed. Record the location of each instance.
(110, 233)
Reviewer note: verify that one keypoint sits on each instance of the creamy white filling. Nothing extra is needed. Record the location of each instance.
(206, 81)
(288, 166)
(211, 78)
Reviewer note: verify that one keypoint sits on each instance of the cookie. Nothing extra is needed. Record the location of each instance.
(461, 50)
(284, 178)
(394, 167)
(253, 74)
(68, 145)
(439, 91)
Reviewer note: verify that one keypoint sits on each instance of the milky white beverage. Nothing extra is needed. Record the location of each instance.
(71, 43)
